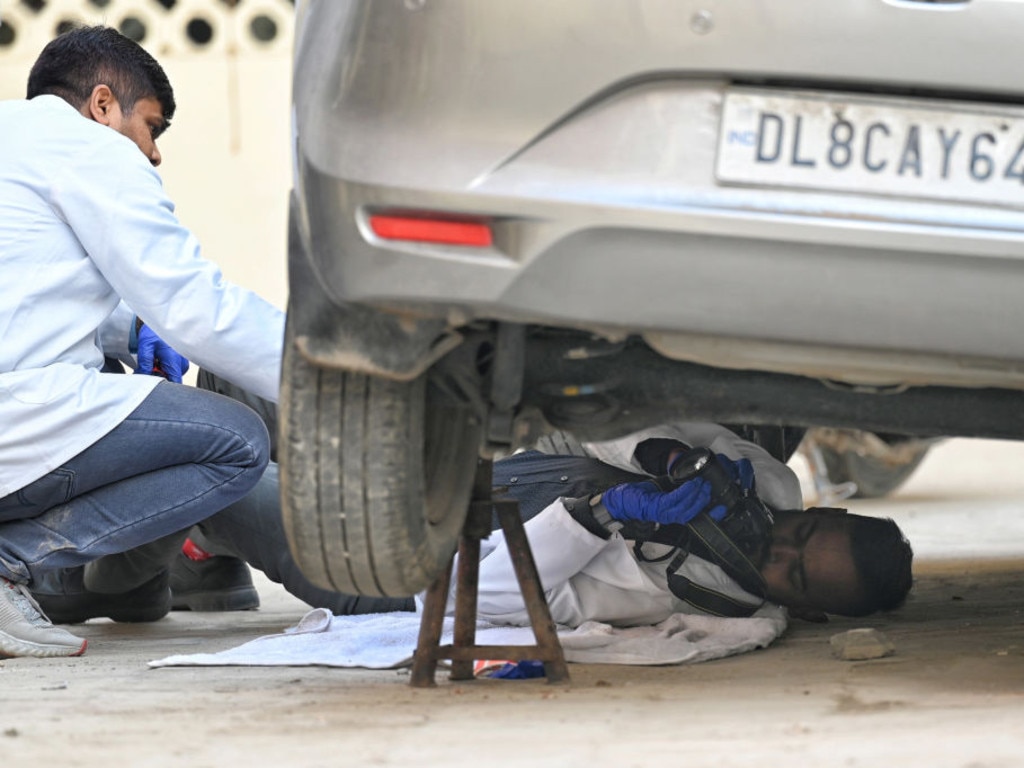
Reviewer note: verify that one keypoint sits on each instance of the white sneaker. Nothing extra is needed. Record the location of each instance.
(25, 630)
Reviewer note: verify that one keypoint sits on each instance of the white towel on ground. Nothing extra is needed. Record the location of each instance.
(387, 641)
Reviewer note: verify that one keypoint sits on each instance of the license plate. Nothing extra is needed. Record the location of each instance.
(910, 148)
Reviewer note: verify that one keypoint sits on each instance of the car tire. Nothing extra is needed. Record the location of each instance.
(376, 476)
(889, 464)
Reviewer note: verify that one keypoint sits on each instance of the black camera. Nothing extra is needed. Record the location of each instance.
(701, 462)
(748, 521)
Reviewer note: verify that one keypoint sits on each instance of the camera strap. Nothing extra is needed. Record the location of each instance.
(727, 554)
(730, 558)
(710, 601)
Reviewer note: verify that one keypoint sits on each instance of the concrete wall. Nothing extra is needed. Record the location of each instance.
(226, 161)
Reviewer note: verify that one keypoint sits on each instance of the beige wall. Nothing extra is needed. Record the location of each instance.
(226, 160)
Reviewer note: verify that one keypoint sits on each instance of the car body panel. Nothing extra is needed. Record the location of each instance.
(587, 131)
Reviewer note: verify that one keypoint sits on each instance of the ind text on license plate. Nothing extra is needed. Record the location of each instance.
(912, 148)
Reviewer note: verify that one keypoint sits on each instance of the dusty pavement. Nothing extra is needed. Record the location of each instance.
(952, 695)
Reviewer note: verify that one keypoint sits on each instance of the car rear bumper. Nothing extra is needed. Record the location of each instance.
(608, 216)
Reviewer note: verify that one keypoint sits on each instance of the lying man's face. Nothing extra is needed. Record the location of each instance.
(809, 567)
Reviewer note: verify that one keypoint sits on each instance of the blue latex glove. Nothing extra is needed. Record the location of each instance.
(154, 351)
(647, 503)
(741, 471)
(521, 670)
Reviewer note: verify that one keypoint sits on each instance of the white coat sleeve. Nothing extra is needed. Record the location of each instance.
(115, 204)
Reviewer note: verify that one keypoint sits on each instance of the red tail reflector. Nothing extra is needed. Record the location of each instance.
(432, 230)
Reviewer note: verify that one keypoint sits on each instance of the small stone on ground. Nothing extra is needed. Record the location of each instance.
(861, 644)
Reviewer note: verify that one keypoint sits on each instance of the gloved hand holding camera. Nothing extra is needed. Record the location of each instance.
(646, 502)
(657, 510)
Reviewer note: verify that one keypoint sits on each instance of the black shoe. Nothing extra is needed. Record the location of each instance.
(65, 600)
(218, 583)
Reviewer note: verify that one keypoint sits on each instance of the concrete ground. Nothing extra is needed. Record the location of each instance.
(952, 694)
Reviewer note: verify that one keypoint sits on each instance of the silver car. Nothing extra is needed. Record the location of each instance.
(516, 216)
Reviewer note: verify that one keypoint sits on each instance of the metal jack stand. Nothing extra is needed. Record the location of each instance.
(463, 651)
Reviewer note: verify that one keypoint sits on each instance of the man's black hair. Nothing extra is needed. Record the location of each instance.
(883, 558)
(73, 64)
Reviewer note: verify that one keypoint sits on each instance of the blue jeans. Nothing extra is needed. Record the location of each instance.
(181, 456)
(252, 529)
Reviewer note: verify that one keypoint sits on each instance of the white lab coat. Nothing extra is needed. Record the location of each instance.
(587, 578)
(85, 224)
